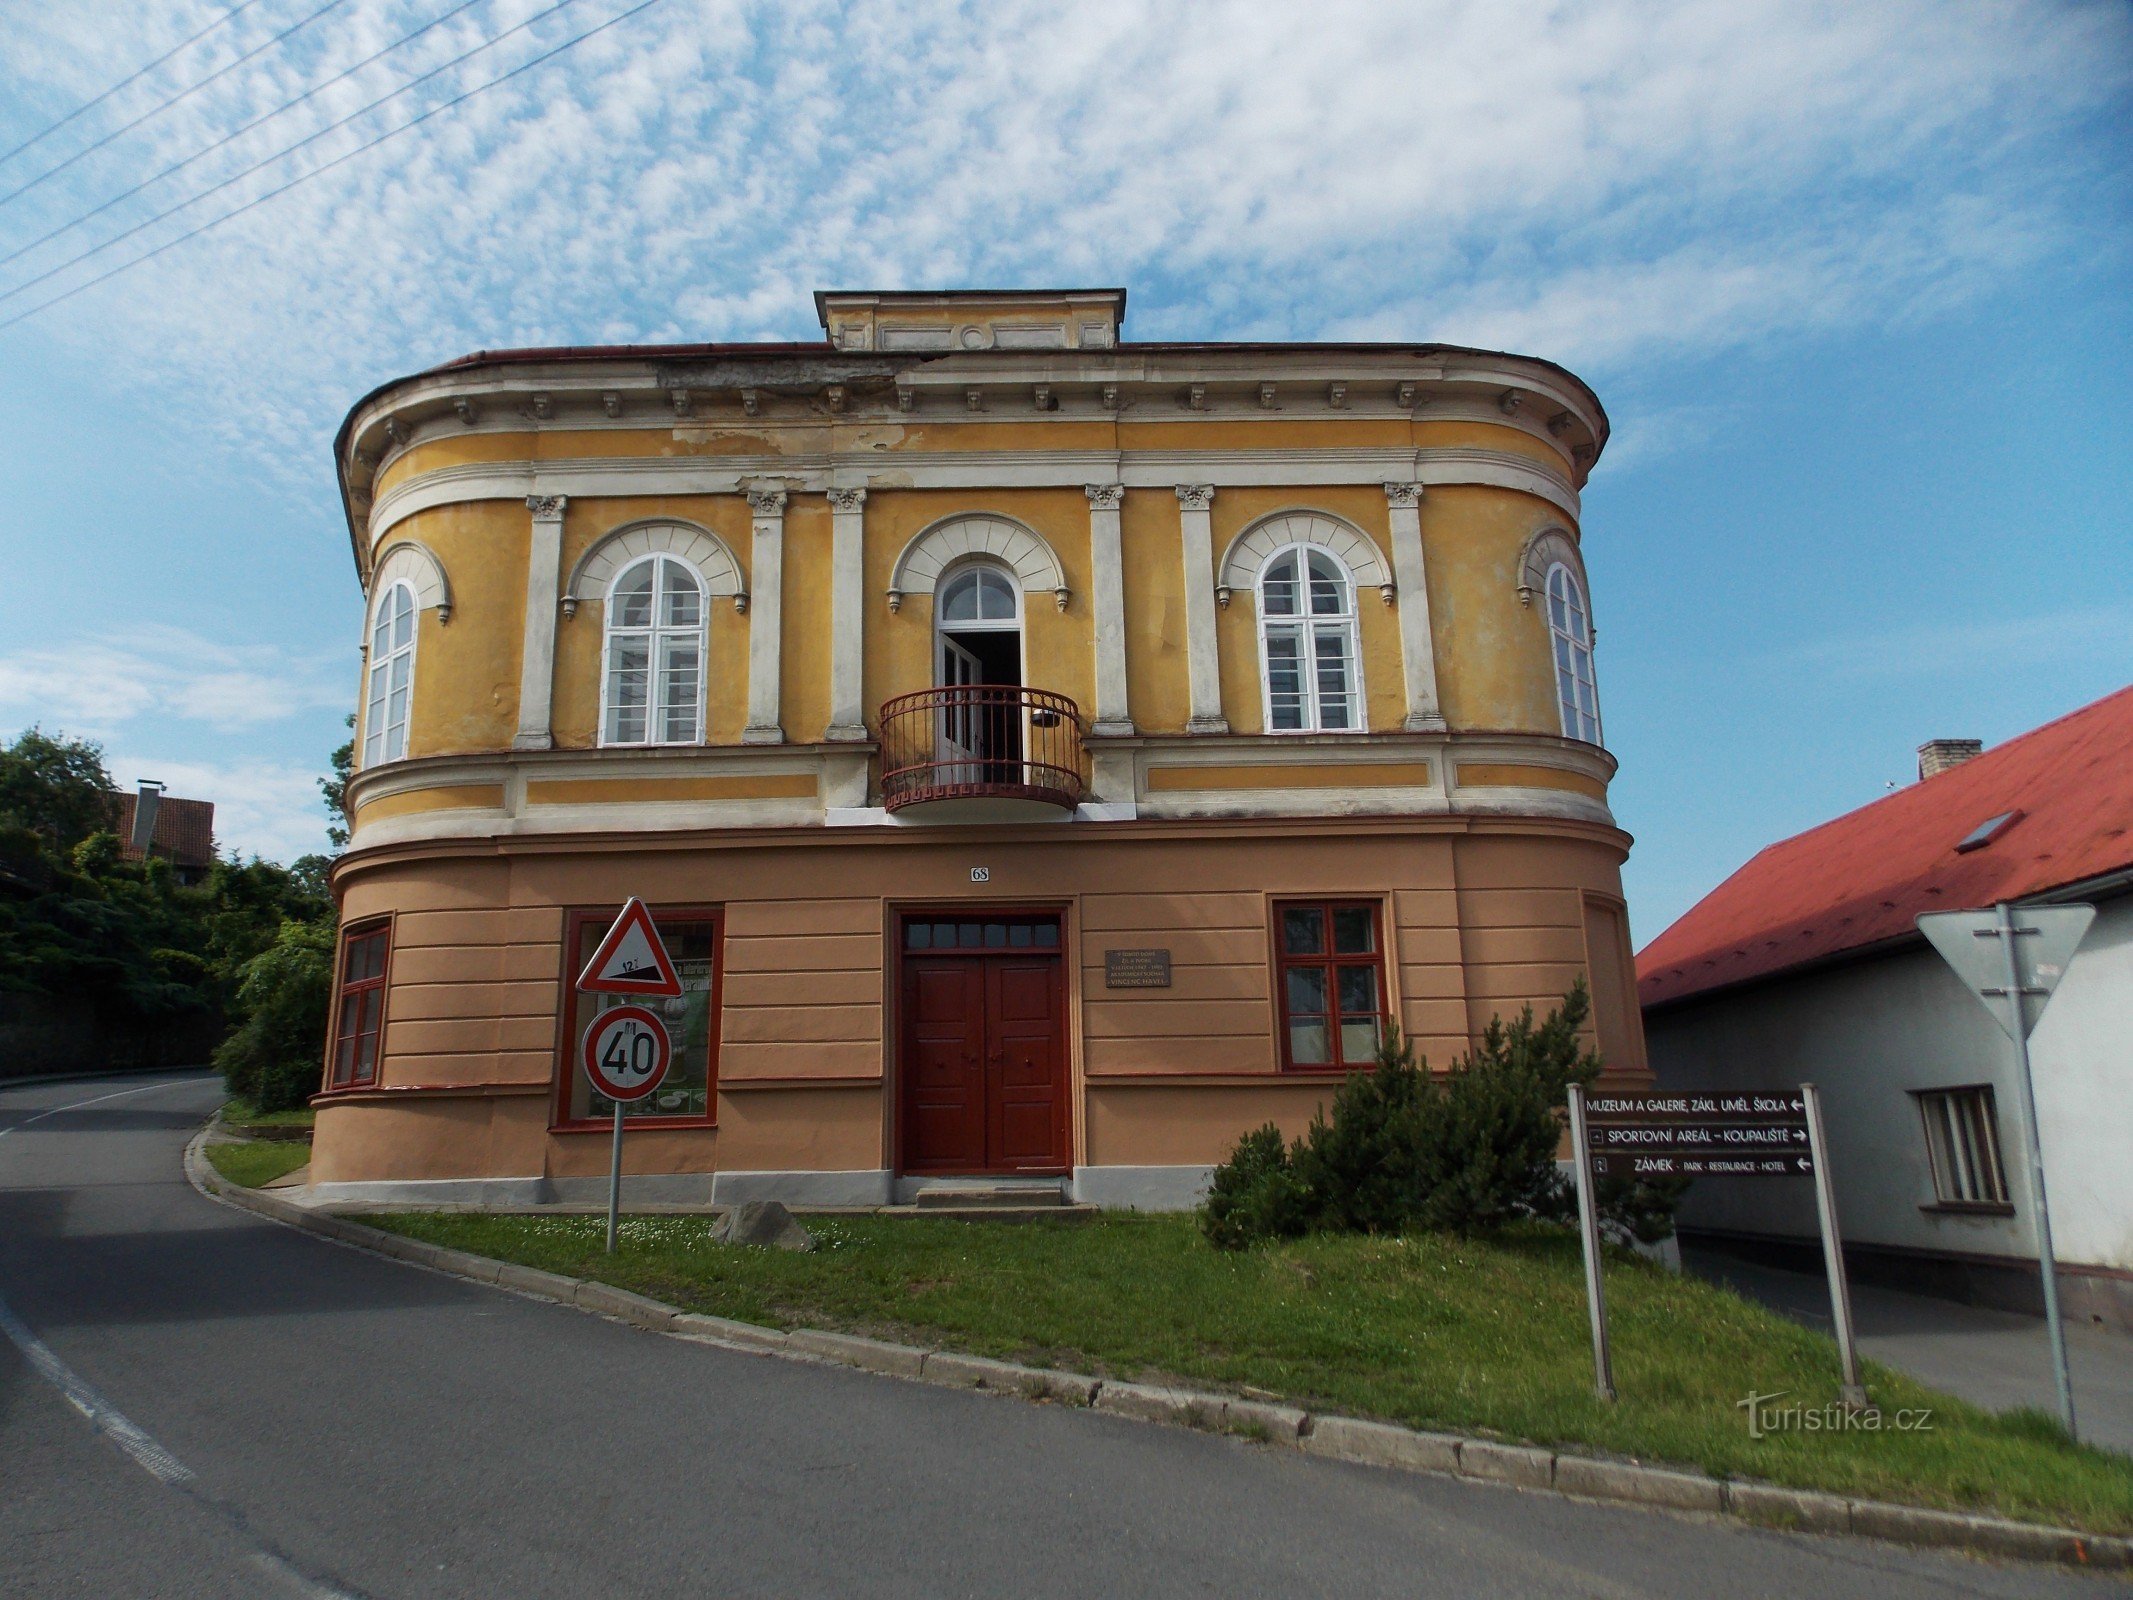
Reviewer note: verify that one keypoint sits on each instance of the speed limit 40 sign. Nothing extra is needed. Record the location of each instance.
(626, 1052)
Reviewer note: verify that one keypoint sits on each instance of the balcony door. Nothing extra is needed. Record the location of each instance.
(978, 628)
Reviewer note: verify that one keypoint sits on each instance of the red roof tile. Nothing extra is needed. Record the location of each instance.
(1864, 878)
(185, 829)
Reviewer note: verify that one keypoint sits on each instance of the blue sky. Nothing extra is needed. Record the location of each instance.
(1854, 283)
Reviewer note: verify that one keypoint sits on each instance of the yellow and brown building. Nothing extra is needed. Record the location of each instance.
(1046, 756)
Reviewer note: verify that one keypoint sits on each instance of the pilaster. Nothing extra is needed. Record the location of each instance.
(766, 616)
(1418, 651)
(847, 614)
(536, 668)
(1108, 592)
(1203, 659)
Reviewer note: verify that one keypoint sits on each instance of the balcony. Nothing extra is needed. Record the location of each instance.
(981, 752)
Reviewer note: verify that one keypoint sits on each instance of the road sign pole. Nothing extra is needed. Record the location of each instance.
(1840, 1292)
(1603, 1372)
(2047, 1263)
(614, 1180)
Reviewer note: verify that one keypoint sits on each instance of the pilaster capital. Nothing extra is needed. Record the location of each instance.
(547, 505)
(847, 499)
(767, 502)
(1196, 496)
(1403, 494)
(1105, 496)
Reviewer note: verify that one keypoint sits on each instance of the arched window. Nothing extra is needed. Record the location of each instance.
(655, 655)
(392, 676)
(1570, 630)
(1307, 629)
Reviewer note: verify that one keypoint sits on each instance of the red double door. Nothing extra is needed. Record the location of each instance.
(983, 1061)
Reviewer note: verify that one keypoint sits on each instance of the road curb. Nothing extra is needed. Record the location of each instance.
(1337, 1438)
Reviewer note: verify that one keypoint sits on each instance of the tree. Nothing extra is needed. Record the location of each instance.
(55, 787)
(335, 788)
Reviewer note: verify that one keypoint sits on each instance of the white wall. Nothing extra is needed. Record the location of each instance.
(1871, 1032)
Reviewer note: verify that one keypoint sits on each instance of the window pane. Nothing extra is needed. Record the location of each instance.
(1307, 1044)
(1303, 931)
(680, 662)
(944, 936)
(1277, 590)
(969, 935)
(1359, 1041)
(631, 606)
(1019, 935)
(959, 601)
(996, 936)
(1329, 590)
(1284, 678)
(996, 597)
(1331, 646)
(1307, 991)
(1358, 990)
(918, 936)
(1048, 935)
(1354, 930)
(681, 606)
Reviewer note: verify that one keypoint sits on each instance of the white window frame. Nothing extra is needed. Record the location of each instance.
(1579, 719)
(942, 627)
(1962, 1128)
(379, 742)
(1346, 625)
(653, 634)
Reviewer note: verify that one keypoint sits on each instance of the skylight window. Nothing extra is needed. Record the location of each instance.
(1987, 831)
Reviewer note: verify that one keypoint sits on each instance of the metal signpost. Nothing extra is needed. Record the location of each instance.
(626, 1050)
(2012, 959)
(1770, 1133)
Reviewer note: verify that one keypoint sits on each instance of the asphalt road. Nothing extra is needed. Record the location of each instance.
(194, 1401)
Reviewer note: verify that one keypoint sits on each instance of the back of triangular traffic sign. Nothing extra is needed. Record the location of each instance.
(632, 959)
(1969, 942)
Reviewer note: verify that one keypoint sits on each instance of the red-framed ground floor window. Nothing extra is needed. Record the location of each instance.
(687, 1097)
(359, 1010)
(1331, 960)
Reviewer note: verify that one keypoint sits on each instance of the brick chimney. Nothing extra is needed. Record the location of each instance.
(1938, 755)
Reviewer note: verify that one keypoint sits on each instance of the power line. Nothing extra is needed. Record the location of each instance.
(90, 105)
(268, 116)
(267, 161)
(158, 110)
(303, 177)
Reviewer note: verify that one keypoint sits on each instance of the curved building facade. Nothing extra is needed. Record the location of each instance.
(1047, 757)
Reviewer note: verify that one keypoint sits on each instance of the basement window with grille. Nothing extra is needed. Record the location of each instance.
(1963, 1142)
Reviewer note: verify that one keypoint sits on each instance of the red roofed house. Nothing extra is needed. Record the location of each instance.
(1807, 966)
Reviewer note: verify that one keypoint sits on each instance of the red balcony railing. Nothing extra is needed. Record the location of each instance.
(981, 742)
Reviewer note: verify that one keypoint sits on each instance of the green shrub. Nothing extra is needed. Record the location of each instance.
(275, 1056)
(1465, 1153)
(1255, 1194)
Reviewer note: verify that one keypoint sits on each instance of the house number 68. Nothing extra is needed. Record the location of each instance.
(981, 874)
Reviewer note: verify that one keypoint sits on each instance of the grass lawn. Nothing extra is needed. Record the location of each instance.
(255, 1162)
(1471, 1336)
(240, 1113)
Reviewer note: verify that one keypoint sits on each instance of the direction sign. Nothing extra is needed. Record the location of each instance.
(632, 959)
(1684, 1138)
(1624, 1164)
(1753, 1105)
(2044, 940)
(626, 1053)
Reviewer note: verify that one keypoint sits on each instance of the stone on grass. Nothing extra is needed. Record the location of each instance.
(765, 1223)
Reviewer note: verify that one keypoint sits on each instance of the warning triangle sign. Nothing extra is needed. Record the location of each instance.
(631, 959)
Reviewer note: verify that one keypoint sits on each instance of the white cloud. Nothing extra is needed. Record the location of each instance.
(1955, 649)
(98, 687)
(1598, 183)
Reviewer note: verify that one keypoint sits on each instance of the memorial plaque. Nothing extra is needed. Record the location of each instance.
(1136, 969)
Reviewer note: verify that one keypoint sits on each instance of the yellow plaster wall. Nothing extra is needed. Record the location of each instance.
(1493, 664)
(803, 679)
(1156, 685)
(1447, 435)
(578, 639)
(1058, 651)
(466, 670)
(1377, 624)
